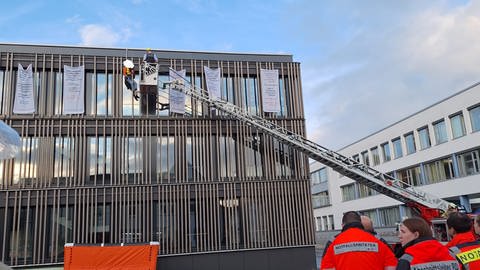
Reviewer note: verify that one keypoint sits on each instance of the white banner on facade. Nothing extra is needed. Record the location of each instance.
(212, 77)
(177, 98)
(270, 90)
(73, 90)
(24, 100)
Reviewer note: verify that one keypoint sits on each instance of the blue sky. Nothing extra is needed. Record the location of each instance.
(365, 64)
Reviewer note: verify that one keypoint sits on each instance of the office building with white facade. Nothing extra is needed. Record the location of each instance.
(436, 149)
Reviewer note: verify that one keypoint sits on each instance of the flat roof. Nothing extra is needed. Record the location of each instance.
(136, 52)
(413, 114)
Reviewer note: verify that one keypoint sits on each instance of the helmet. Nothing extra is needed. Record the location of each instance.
(128, 63)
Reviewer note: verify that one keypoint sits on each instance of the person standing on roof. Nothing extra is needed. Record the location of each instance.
(354, 248)
(149, 83)
(463, 243)
(421, 250)
(149, 56)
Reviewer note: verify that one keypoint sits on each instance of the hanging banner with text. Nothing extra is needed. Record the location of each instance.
(24, 100)
(73, 90)
(177, 98)
(212, 77)
(270, 90)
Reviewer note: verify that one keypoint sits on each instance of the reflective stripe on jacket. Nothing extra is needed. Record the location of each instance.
(357, 249)
(427, 254)
(468, 254)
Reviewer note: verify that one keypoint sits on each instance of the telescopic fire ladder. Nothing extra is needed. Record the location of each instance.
(346, 166)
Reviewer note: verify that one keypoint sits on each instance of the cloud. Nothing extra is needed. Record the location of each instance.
(74, 19)
(99, 35)
(391, 64)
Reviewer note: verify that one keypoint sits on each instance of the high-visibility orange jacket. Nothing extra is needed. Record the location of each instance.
(466, 249)
(357, 249)
(427, 253)
(460, 238)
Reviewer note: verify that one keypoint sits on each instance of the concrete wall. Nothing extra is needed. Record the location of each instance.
(295, 258)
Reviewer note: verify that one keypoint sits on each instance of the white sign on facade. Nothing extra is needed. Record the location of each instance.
(73, 90)
(212, 77)
(24, 100)
(177, 98)
(270, 90)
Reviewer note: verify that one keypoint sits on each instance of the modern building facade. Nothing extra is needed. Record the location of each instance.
(436, 149)
(215, 193)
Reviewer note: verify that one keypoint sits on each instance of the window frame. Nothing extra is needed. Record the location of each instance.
(473, 121)
(453, 127)
(407, 146)
(429, 142)
(397, 152)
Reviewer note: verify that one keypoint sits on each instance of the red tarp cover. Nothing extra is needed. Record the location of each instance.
(111, 257)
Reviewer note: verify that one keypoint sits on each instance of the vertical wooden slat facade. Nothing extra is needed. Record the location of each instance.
(197, 183)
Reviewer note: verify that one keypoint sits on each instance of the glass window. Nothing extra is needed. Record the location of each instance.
(469, 163)
(283, 100)
(475, 118)
(389, 216)
(410, 176)
(227, 162)
(227, 89)
(366, 159)
(325, 223)
(26, 164)
(130, 106)
(364, 191)
(100, 150)
(2, 94)
(165, 158)
(64, 157)
(318, 223)
(424, 137)
(282, 163)
(386, 152)
(439, 170)
(319, 176)
(102, 94)
(348, 192)
(330, 222)
(58, 90)
(458, 125)
(321, 199)
(253, 158)
(372, 214)
(397, 148)
(375, 156)
(410, 143)
(189, 158)
(440, 132)
(250, 95)
(133, 157)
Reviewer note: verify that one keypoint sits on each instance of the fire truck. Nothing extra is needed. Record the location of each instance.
(432, 208)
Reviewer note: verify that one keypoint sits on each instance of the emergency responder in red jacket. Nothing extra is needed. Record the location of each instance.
(421, 250)
(463, 245)
(357, 249)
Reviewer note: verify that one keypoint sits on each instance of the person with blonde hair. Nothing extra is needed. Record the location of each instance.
(421, 250)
